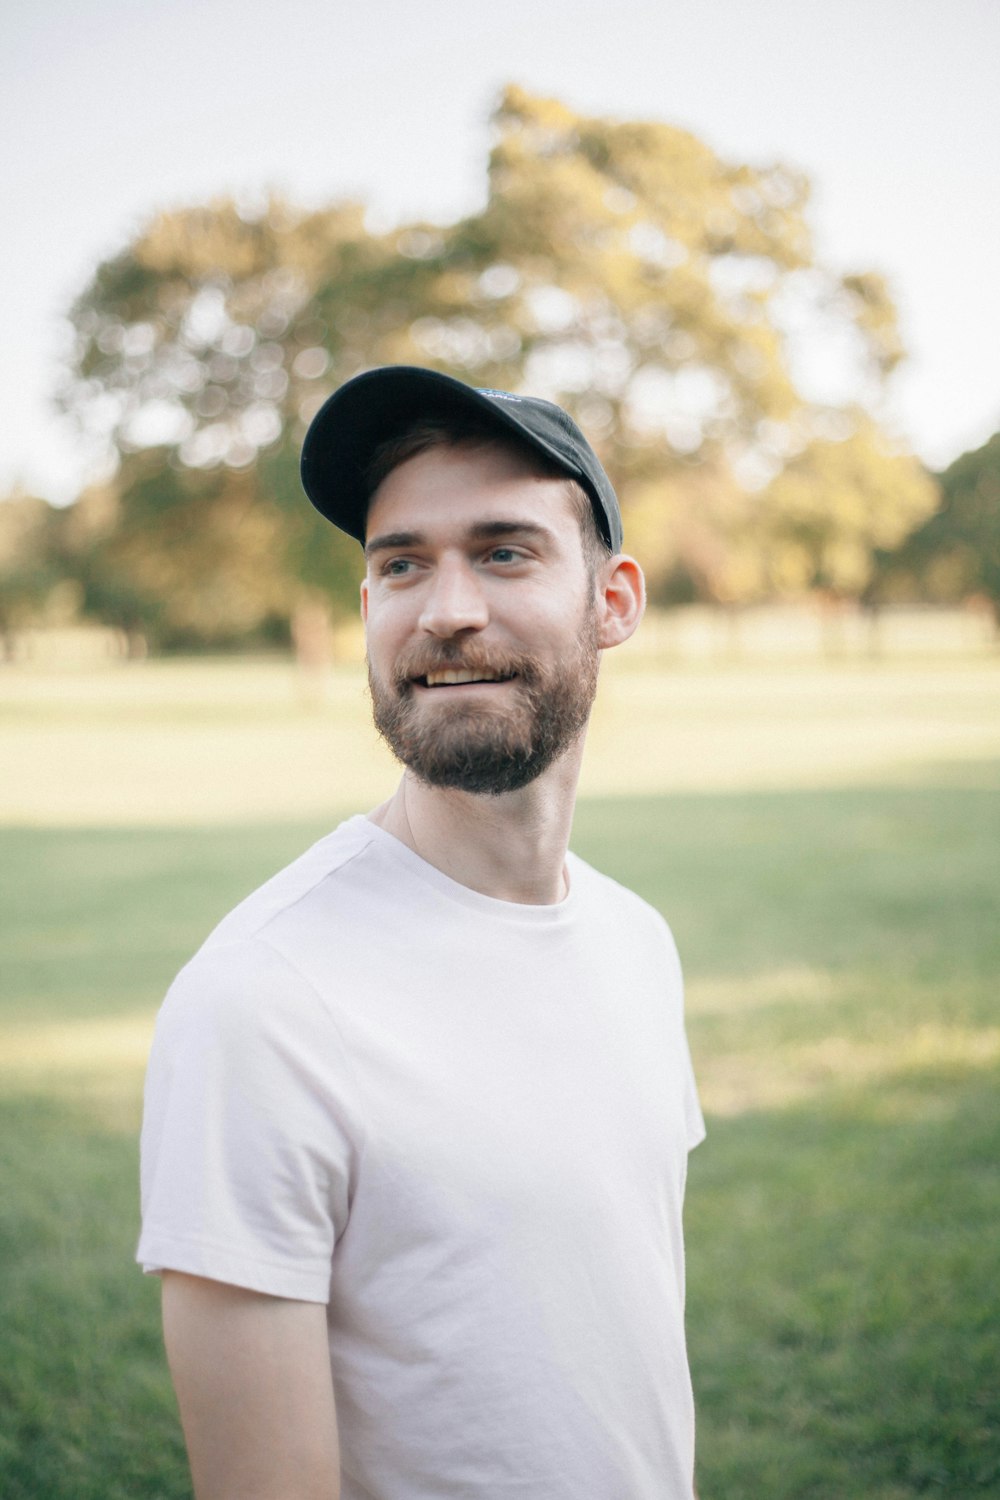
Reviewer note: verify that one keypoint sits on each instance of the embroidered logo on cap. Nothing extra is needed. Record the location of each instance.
(498, 395)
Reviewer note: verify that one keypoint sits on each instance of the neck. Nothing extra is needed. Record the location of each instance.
(511, 847)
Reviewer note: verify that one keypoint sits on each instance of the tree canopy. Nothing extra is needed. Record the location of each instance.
(668, 298)
(38, 585)
(955, 554)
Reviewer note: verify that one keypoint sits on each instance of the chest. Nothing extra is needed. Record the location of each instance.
(520, 1091)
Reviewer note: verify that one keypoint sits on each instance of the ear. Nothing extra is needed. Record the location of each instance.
(364, 600)
(621, 599)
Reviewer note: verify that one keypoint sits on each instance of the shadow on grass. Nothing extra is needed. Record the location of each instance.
(906, 878)
(844, 1295)
(86, 1410)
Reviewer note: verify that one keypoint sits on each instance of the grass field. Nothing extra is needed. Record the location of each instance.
(826, 845)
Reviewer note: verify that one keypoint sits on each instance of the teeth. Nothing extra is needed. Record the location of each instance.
(454, 678)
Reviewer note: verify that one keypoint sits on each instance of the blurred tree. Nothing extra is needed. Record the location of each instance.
(181, 557)
(833, 505)
(208, 577)
(669, 299)
(198, 352)
(37, 586)
(954, 555)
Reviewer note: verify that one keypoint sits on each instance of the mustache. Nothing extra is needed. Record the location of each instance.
(419, 660)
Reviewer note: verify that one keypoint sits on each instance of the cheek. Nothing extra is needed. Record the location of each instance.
(563, 620)
(384, 637)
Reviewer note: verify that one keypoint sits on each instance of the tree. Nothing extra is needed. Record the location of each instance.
(197, 355)
(209, 577)
(36, 583)
(834, 505)
(621, 268)
(955, 554)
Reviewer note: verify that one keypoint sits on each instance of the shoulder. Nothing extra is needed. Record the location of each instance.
(234, 1011)
(256, 980)
(601, 892)
(309, 880)
(627, 925)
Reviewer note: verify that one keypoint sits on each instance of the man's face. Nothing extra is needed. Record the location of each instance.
(480, 619)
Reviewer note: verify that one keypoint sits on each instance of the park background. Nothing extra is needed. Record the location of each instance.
(754, 253)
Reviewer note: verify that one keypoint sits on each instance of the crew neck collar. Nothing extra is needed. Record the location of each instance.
(547, 913)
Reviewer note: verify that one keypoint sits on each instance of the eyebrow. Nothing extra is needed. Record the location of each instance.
(393, 540)
(482, 531)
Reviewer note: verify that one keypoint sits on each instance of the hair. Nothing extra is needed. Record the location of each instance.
(466, 431)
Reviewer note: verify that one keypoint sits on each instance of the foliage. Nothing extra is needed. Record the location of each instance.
(182, 347)
(956, 553)
(834, 504)
(662, 294)
(187, 557)
(34, 586)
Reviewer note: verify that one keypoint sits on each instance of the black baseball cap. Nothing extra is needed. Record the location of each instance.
(369, 409)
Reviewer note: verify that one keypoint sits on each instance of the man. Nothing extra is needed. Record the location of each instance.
(418, 1113)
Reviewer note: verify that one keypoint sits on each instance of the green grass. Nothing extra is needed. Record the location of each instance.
(87, 1412)
(841, 949)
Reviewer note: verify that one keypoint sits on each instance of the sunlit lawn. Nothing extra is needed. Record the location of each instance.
(841, 944)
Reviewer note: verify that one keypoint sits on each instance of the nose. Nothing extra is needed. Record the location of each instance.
(455, 601)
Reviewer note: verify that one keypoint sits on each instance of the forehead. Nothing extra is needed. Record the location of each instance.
(446, 489)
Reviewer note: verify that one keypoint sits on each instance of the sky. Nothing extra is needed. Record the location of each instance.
(112, 109)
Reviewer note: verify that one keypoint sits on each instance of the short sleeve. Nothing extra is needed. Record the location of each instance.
(249, 1140)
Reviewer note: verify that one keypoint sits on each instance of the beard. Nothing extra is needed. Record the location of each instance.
(486, 748)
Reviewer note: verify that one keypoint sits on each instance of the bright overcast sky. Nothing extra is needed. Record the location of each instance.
(112, 108)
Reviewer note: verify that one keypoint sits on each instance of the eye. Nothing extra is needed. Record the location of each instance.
(396, 567)
(504, 555)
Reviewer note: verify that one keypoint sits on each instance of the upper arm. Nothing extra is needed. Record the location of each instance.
(253, 1383)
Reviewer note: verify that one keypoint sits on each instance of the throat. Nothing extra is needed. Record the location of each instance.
(513, 851)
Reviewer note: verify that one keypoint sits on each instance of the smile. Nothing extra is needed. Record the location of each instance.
(455, 677)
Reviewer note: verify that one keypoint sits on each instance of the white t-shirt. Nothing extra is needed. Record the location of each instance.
(463, 1125)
